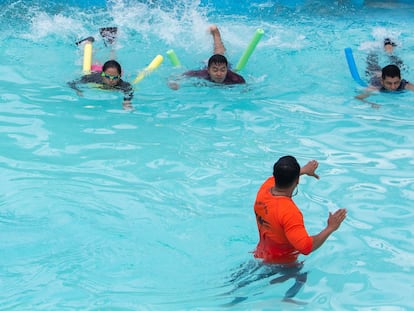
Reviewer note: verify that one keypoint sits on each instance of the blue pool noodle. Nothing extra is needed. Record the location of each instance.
(352, 67)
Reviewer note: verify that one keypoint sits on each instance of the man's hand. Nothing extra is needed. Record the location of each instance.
(310, 168)
(173, 85)
(335, 219)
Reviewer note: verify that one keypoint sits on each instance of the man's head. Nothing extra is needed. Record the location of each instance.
(286, 172)
(217, 68)
(391, 77)
(389, 45)
(111, 72)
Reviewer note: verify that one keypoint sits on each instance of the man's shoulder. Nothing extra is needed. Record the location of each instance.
(234, 78)
(269, 182)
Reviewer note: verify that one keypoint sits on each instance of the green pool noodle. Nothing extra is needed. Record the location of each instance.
(249, 50)
(173, 58)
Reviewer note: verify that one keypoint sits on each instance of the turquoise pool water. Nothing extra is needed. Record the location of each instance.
(152, 209)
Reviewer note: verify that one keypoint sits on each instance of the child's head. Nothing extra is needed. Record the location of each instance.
(217, 68)
(111, 72)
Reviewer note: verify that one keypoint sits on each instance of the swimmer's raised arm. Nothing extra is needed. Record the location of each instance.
(218, 43)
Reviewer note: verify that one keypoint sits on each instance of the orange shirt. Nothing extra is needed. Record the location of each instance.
(282, 231)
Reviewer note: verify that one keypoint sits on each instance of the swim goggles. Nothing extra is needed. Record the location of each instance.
(103, 74)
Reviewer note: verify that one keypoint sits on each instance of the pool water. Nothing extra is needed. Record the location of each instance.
(103, 208)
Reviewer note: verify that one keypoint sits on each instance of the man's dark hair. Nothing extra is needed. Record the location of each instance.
(217, 59)
(286, 171)
(389, 41)
(112, 64)
(391, 71)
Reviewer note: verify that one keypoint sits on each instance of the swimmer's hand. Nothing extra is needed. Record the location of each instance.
(373, 105)
(127, 105)
(362, 97)
(213, 28)
(310, 168)
(173, 85)
(335, 219)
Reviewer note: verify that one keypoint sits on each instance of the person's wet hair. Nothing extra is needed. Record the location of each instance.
(217, 59)
(391, 71)
(112, 64)
(286, 171)
(388, 41)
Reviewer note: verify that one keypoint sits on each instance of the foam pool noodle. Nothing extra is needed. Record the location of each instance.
(173, 58)
(352, 67)
(249, 50)
(151, 67)
(87, 58)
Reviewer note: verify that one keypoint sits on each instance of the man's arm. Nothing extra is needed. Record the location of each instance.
(362, 97)
(218, 43)
(174, 81)
(409, 86)
(334, 221)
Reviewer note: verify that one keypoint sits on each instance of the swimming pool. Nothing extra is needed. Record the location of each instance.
(152, 209)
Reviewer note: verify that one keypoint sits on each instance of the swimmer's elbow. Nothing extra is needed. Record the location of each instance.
(73, 85)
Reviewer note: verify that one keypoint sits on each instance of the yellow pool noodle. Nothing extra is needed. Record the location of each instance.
(87, 58)
(152, 66)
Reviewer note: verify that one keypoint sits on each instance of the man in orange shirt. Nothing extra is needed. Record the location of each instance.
(282, 232)
(283, 235)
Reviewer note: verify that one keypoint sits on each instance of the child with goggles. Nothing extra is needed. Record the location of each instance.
(109, 78)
